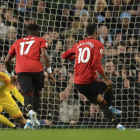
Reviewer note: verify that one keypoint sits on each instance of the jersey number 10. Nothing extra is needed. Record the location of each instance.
(81, 55)
(22, 44)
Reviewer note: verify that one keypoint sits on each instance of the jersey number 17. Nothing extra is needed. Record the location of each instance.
(22, 44)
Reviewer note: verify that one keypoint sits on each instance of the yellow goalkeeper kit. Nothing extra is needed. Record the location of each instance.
(6, 101)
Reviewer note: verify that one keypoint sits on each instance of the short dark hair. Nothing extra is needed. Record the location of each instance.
(32, 28)
(90, 29)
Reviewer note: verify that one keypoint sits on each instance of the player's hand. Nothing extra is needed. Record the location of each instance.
(51, 79)
(108, 82)
(14, 80)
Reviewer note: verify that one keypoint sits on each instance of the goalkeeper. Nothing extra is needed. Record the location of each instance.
(9, 105)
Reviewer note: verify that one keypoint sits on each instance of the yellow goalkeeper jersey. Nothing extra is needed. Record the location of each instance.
(5, 86)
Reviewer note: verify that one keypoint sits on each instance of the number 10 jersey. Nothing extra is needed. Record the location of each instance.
(88, 60)
(27, 51)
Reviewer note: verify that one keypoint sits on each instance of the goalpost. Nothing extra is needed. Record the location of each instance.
(62, 23)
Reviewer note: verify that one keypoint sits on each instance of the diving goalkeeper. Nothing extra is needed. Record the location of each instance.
(8, 104)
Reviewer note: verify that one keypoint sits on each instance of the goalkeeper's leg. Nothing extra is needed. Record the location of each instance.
(107, 112)
(26, 123)
(5, 121)
(21, 120)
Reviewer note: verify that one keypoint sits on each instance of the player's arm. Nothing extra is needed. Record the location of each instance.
(7, 63)
(12, 88)
(45, 58)
(7, 81)
(8, 58)
(70, 53)
(18, 95)
(71, 57)
(98, 53)
(47, 64)
(9, 69)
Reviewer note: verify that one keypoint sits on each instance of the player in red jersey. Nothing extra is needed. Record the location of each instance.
(88, 60)
(29, 69)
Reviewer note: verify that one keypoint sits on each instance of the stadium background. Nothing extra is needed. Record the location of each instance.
(62, 23)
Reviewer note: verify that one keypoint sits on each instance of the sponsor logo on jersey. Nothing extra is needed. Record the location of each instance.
(101, 51)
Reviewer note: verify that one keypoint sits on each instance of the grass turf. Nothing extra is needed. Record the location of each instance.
(71, 134)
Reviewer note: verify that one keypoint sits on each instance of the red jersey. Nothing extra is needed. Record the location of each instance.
(88, 60)
(27, 51)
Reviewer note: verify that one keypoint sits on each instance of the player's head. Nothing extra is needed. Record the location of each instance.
(91, 30)
(33, 29)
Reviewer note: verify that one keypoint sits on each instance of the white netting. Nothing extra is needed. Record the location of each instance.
(62, 24)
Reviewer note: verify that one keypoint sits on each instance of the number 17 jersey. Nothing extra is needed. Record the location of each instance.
(88, 60)
(27, 51)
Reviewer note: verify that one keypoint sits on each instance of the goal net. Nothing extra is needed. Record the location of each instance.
(62, 23)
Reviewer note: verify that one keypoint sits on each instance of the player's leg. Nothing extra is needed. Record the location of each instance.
(91, 91)
(99, 87)
(28, 101)
(11, 107)
(27, 88)
(4, 120)
(26, 123)
(107, 112)
(36, 100)
(38, 82)
(21, 120)
(108, 96)
(32, 113)
(25, 82)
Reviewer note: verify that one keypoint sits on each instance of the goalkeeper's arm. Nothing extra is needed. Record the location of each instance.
(18, 95)
(12, 88)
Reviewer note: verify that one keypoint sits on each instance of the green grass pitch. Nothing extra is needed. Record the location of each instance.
(69, 134)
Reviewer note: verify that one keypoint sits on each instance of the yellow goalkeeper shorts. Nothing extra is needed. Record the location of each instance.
(10, 107)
